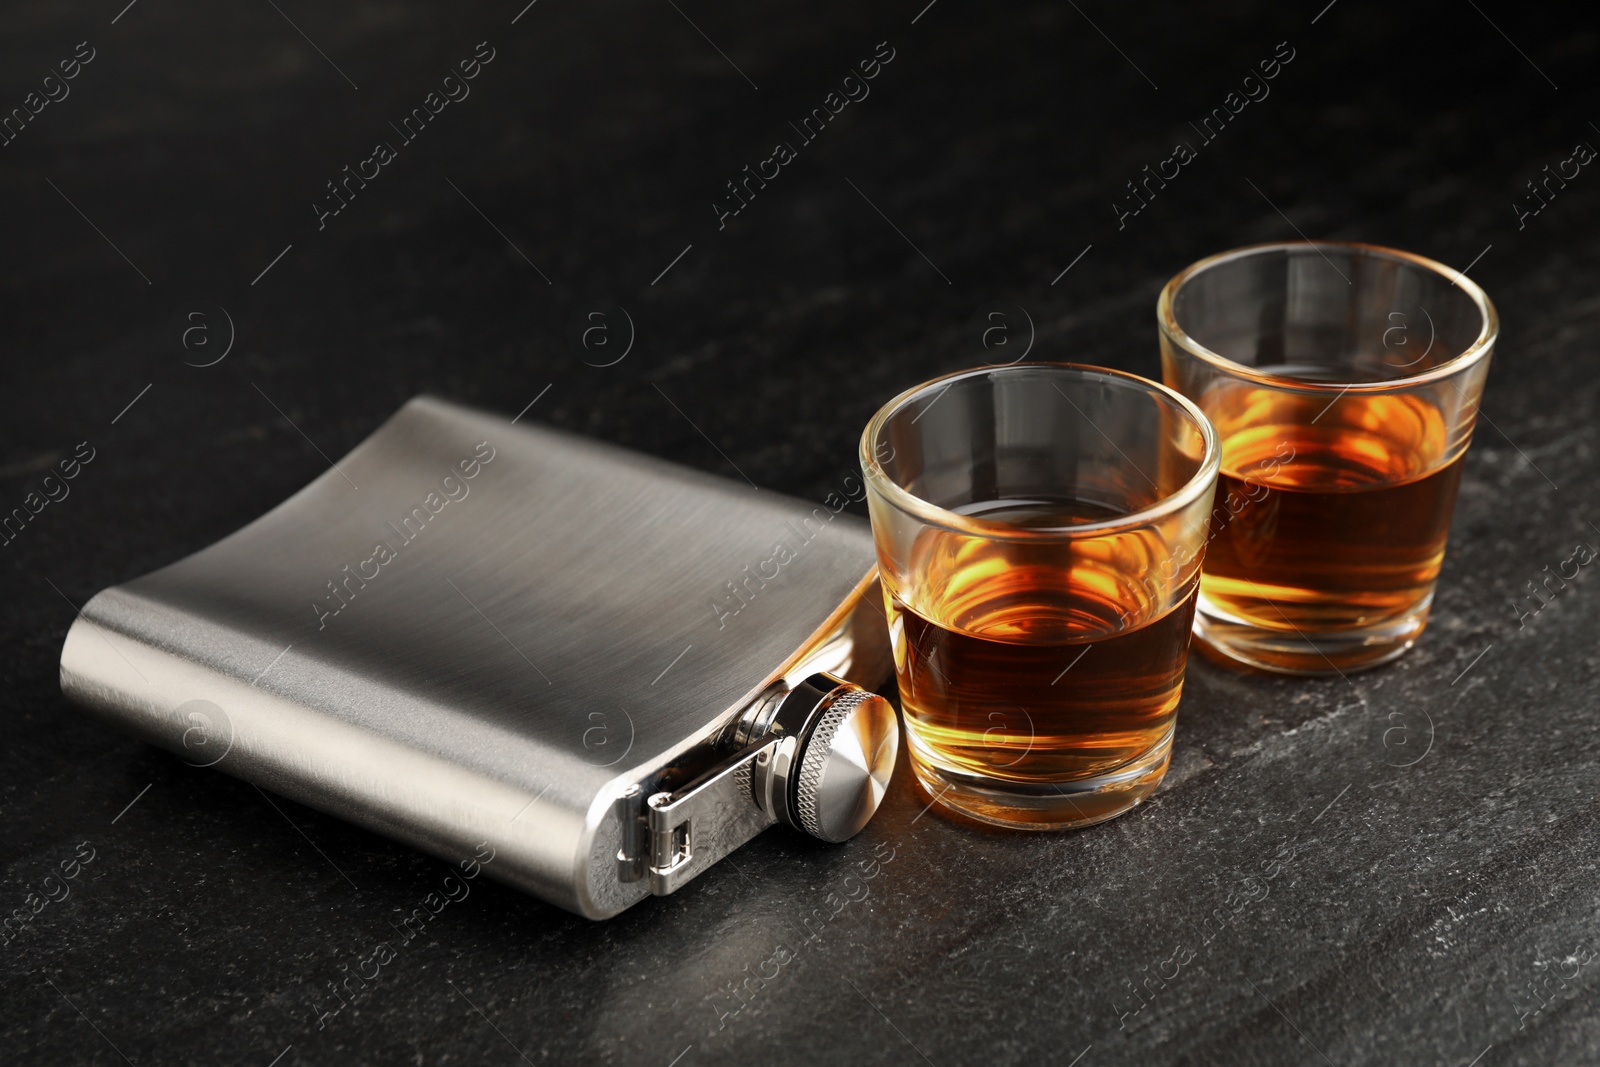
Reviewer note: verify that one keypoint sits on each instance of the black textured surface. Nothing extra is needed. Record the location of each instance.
(1397, 868)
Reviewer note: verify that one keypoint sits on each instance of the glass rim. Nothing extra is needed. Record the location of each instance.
(1461, 361)
(1202, 481)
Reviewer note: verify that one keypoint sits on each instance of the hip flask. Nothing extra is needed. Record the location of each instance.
(610, 669)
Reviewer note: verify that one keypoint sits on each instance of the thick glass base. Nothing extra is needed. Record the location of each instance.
(1041, 805)
(1230, 639)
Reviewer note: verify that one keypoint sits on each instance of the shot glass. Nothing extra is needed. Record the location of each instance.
(1039, 530)
(1344, 380)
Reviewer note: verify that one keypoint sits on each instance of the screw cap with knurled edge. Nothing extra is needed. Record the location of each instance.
(845, 763)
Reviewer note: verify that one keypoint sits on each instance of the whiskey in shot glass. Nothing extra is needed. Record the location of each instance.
(1039, 530)
(1344, 381)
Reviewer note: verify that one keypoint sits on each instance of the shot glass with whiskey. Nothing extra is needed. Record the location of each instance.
(1039, 530)
(1344, 380)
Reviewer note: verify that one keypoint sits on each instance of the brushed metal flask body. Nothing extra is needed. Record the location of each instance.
(472, 632)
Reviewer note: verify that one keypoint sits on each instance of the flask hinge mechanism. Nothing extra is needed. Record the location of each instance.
(670, 837)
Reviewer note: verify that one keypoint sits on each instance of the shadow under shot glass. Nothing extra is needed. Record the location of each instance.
(1039, 531)
(1344, 381)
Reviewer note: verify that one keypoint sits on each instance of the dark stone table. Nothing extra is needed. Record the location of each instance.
(1394, 868)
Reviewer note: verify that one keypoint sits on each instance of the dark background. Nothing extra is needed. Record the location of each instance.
(1441, 912)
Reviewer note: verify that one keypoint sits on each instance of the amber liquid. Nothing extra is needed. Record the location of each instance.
(1333, 525)
(1016, 669)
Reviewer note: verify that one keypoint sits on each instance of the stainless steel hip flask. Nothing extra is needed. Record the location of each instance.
(611, 669)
